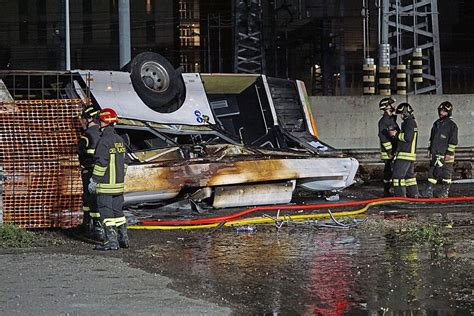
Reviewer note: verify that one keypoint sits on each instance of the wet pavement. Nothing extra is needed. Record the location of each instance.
(403, 259)
(300, 270)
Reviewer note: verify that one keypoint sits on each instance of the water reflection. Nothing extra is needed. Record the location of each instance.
(329, 283)
(320, 272)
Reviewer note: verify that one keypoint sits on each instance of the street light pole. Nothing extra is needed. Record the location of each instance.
(67, 37)
(124, 32)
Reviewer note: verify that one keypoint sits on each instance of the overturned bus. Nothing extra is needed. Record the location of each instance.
(226, 140)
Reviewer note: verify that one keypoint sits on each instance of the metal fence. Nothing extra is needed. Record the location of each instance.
(41, 173)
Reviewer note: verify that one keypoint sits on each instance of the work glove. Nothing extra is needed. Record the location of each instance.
(439, 161)
(92, 187)
(448, 157)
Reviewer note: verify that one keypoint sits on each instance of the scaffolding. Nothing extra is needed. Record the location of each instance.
(248, 56)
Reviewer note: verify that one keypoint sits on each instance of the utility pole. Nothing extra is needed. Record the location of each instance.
(342, 59)
(124, 32)
(59, 30)
(68, 36)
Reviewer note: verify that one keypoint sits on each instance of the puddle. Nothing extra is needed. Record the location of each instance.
(391, 266)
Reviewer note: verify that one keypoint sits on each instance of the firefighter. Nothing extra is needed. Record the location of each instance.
(91, 224)
(443, 142)
(388, 144)
(403, 179)
(110, 165)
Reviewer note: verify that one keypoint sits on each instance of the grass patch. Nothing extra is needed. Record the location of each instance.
(408, 230)
(12, 236)
(427, 233)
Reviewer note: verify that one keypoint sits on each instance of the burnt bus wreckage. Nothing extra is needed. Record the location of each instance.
(227, 140)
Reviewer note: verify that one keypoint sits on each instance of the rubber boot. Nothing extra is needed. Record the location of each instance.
(122, 236)
(412, 191)
(97, 231)
(86, 225)
(444, 193)
(386, 190)
(428, 191)
(111, 242)
(400, 191)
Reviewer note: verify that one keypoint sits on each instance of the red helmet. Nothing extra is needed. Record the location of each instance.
(108, 116)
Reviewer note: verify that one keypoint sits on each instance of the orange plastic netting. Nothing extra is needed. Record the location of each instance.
(41, 173)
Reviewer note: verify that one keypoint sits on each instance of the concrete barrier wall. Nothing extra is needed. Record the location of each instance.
(351, 122)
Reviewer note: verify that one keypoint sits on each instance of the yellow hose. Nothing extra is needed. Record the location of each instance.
(267, 220)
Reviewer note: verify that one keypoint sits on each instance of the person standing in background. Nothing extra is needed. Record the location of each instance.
(404, 179)
(388, 144)
(91, 225)
(442, 145)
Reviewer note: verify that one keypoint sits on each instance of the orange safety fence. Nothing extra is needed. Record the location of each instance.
(38, 159)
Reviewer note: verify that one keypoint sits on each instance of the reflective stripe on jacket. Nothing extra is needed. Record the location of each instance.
(86, 146)
(110, 163)
(407, 139)
(388, 144)
(443, 137)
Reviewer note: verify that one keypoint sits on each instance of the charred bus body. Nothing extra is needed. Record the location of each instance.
(228, 140)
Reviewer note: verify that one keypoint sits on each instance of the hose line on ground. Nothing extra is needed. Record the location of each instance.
(253, 221)
(237, 220)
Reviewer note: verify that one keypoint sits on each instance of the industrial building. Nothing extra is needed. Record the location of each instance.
(318, 41)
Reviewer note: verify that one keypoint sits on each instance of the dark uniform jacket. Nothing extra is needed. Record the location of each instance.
(387, 144)
(407, 138)
(110, 163)
(86, 146)
(443, 137)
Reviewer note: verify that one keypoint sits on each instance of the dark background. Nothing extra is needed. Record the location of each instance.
(197, 34)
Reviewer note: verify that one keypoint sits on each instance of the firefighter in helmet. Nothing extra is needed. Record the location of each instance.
(442, 145)
(110, 166)
(388, 144)
(403, 179)
(91, 225)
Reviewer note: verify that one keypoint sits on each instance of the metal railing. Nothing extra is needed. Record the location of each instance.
(370, 156)
(370, 163)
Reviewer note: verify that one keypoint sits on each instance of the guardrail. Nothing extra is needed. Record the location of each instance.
(371, 166)
(368, 156)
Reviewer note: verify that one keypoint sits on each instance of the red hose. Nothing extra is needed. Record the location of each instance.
(219, 219)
